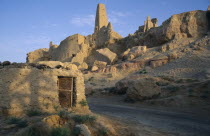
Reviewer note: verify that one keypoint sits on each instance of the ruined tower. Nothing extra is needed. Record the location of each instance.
(150, 23)
(101, 17)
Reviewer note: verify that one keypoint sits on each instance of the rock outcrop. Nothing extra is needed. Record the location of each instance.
(138, 87)
(184, 25)
(106, 55)
(143, 89)
(191, 24)
(38, 55)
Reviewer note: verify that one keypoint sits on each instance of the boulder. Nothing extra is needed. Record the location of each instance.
(143, 89)
(100, 64)
(94, 68)
(158, 61)
(84, 131)
(134, 52)
(70, 66)
(130, 57)
(106, 55)
(83, 66)
(125, 53)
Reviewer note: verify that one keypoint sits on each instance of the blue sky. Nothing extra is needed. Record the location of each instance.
(26, 25)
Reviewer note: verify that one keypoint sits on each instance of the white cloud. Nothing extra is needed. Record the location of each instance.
(83, 21)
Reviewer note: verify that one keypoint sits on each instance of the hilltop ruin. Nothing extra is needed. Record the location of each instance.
(77, 48)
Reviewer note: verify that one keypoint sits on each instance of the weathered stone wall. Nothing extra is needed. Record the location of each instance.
(22, 89)
(68, 48)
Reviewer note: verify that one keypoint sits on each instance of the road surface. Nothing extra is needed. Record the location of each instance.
(171, 122)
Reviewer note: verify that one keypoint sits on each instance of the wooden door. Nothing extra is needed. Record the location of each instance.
(65, 85)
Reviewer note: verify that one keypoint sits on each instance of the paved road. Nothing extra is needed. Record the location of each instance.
(177, 123)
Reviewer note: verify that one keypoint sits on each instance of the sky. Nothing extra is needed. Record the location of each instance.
(27, 25)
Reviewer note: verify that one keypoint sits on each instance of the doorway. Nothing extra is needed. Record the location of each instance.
(66, 91)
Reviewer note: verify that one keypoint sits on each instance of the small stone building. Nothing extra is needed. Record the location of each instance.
(48, 90)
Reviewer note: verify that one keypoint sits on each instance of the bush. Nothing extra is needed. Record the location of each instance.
(13, 120)
(19, 122)
(191, 80)
(76, 131)
(144, 71)
(81, 119)
(180, 81)
(36, 130)
(173, 88)
(92, 93)
(83, 103)
(6, 63)
(32, 112)
(103, 132)
(61, 131)
(190, 91)
(63, 113)
(161, 84)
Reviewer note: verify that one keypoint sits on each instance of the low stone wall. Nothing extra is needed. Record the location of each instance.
(23, 89)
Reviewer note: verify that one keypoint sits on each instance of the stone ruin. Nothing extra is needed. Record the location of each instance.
(44, 87)
(77, 48)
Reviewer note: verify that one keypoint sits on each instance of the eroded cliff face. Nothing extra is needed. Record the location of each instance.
(191, 24)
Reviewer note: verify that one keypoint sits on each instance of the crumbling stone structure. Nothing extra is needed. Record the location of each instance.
(148, 24)
(77, 48)
(101, 17)
(47, 90)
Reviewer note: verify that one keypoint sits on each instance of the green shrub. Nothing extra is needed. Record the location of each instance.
(63, 113)
(61, 131)
(36, 130)
(83, 103)
(84, 119)
(191, 80)
(13, 120)
(92, 93)
(173, 88)
(33, 112)
(91, 79)
(94, 84)
(190, 91)
(19, 122)
(103, 132)
(161, 84)
(76, 131)
(180, 81)
(144, 71)
(56, 107)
